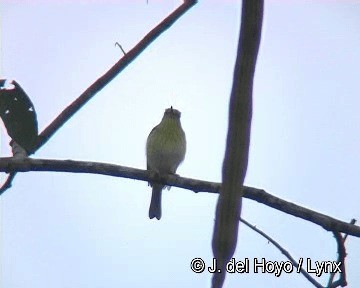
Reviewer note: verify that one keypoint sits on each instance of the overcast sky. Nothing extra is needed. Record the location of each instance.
(71, 230)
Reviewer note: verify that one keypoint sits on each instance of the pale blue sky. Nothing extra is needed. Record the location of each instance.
(69, 230)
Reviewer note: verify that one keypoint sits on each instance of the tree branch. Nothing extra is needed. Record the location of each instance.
(285, 252)
(340, 241)
(341, 261)
(113, 72)
(9, 164)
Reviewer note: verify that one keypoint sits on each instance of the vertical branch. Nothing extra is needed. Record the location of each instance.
(228, 208)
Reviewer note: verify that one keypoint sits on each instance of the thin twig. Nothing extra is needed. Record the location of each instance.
(100, 83)
(283, 251)
(118, 44)
(8, 164)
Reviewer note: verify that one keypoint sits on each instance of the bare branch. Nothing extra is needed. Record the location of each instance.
(121, 48)
(328, 223)
(283, 251)
(8, 182)
(9, 164)
(341, 259)
(112, 73)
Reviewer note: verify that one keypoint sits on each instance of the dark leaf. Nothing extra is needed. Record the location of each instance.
(18, 114)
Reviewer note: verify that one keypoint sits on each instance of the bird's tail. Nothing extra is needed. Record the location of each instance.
(155, 205)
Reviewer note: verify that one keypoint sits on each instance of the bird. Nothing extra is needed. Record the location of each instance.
(165, 151)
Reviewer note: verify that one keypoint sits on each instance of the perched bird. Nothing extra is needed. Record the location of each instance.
(165, 150)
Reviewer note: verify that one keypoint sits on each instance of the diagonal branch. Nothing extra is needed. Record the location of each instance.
(112, 73)
(9, 164)
(285, 252)
(101, 82)
(7, 184)
(340, 261)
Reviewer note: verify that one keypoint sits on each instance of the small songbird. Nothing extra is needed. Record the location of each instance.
(165, 150)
